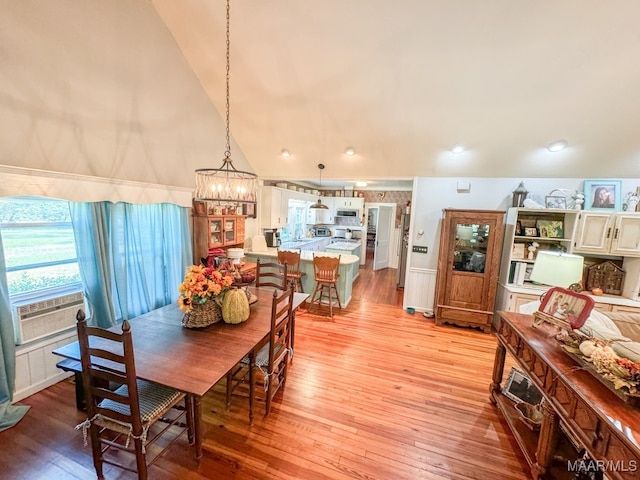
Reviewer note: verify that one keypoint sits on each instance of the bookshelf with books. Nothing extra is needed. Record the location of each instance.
(528, 231)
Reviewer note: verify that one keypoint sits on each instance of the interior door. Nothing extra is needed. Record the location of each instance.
(383, 238)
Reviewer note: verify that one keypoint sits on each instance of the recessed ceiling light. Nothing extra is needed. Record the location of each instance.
(457, 148)
(361, 184)
(350, 151)
(285, 153)
(557, 145)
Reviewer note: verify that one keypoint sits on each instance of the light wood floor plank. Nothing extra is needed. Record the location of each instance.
(373, 394)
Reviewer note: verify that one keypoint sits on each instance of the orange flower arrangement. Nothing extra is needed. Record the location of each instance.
(202, 284)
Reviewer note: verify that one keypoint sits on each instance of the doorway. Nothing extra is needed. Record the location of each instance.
(380, 235)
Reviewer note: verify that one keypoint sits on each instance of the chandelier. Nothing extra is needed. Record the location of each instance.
(226, 184)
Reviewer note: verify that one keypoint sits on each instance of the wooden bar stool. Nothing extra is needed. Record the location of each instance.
(326, 277)
(291, 259)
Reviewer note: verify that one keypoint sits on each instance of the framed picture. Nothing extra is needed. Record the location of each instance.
(518, 228)
(518, 251)
(603, 195)
(550, 228)
(552, 201)
(520, 388)
(249, 210)
(564, 308)
(530, 232)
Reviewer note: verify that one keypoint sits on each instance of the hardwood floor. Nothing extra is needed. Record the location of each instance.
(374, 394)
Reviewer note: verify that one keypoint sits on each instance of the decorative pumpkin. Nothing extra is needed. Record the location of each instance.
(235, 306)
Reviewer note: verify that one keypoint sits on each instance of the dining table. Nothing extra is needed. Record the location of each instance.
(193, 360)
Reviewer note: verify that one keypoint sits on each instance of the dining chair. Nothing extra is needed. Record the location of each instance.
(325, 270)
(291, 259)
(266, 366)
(271, 274)
(137, 412)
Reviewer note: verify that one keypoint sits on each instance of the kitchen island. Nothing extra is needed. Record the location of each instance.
(348, 263)
(344, 248)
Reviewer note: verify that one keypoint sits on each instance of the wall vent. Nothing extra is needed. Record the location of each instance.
(42, 318)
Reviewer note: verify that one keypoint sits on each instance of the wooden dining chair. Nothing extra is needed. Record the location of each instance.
(132, 413)
(325, 270)
(271, 274)
(291, 259)
(265, 368)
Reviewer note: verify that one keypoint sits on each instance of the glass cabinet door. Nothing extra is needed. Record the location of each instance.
(229, 230)
(215, 232)
(470, 249)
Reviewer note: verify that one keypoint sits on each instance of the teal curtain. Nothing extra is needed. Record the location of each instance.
(91, 230)
(132, 257)
(9, 414)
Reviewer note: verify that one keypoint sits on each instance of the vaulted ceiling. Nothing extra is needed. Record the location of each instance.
(403, 81)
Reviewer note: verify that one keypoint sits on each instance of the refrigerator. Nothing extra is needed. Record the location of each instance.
(404, 249)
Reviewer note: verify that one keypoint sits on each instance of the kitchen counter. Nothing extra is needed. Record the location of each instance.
(346, 270)
(348, 247)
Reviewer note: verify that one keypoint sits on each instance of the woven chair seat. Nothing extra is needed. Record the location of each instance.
(154, 399)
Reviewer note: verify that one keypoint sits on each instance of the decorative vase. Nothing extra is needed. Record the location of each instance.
(202, 315)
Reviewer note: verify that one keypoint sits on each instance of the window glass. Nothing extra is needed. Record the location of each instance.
(39, 246)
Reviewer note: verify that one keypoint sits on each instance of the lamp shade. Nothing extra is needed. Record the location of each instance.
(557, 269)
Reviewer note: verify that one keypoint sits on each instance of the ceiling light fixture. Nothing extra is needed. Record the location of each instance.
(350, 151)
(457, 148)
(285, 153)
(361, 184)
(226, 184)
(319, 203)
(557, 145)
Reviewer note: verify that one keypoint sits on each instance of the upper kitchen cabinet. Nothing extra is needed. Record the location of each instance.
(322, 216)
(608, 234)
(350, 203)
(274, 207)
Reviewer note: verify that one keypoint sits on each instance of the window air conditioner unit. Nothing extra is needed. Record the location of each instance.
(42, 318)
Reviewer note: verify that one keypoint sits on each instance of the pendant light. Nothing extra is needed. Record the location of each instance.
(319, 203)
(226, 184)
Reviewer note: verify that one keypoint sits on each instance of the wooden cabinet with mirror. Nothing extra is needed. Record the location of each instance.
(468, 266)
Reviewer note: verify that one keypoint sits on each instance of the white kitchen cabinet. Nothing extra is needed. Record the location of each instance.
(351, 203)
(322, 216)
(274, 207)
(608, 234)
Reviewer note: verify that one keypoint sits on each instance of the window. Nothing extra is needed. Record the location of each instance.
(39, 246)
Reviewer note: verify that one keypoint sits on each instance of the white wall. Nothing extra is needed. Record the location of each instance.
(432, 195)
(101, 90)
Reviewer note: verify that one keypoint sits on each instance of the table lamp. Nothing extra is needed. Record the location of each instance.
(558, 269)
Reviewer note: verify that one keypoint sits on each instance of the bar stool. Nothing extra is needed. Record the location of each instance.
(291, 259)
(326, 276)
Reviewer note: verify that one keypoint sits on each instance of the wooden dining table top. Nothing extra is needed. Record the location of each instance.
(192, 360)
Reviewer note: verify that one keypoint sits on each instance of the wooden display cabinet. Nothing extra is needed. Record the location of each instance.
(210, 231)
(468, 265)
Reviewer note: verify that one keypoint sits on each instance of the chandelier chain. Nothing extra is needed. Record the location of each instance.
(227, 153)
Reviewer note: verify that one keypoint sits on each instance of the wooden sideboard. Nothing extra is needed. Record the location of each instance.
(579, 410)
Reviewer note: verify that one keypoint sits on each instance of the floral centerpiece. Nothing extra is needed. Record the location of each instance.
(621, 373)
(198, 292)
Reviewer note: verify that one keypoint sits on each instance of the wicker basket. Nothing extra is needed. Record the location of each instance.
(202, 315)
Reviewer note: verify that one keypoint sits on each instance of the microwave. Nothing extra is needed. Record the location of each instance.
(346, 213)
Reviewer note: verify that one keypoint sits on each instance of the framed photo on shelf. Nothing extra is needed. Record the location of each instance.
(530, 232)
(603, 195)
(518, 228)
(249, 210)
(518, 251)
(550, 228)
(557, 202)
